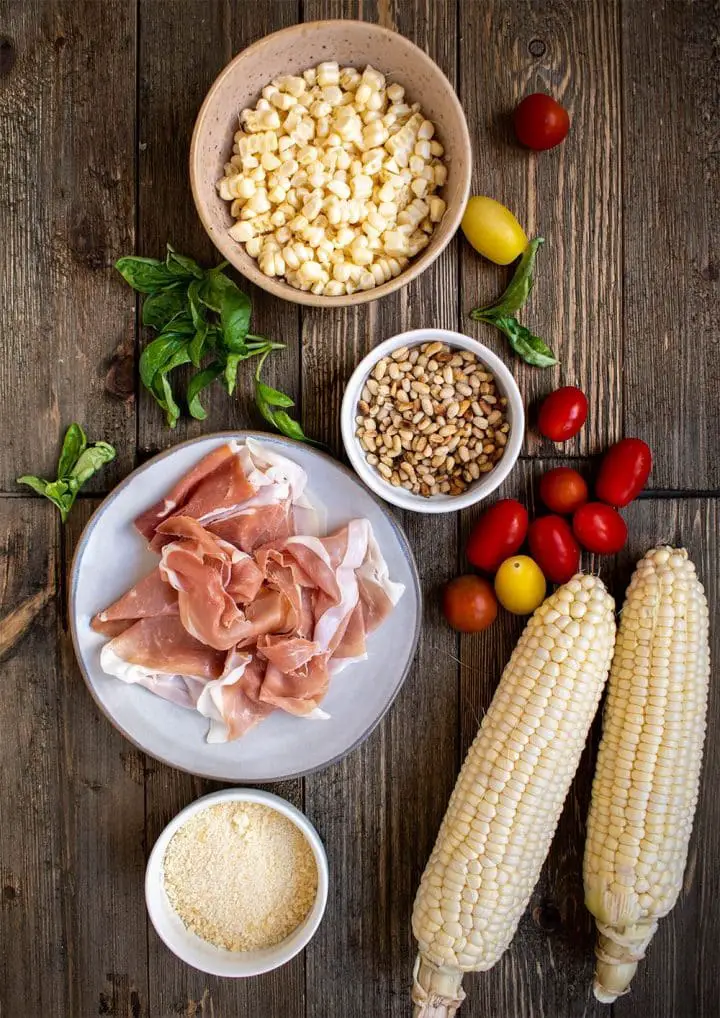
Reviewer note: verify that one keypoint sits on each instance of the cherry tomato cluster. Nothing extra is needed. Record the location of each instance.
(471, 602)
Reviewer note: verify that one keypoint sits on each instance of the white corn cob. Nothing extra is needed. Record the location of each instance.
(648, 770)
(510, 792)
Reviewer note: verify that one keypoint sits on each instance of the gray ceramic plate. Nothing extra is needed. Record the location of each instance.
(111, 556)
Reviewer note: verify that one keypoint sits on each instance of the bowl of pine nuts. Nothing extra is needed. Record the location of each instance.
(330, 162)
(432, 421)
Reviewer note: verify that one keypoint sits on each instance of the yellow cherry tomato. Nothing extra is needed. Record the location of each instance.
(493, 230)
(520, 585)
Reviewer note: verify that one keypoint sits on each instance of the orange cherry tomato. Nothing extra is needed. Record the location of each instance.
(563, 413)
(469, 604)
(498, 534)
(554, 548)
(563, 490)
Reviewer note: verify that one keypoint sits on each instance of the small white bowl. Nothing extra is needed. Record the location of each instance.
(487, 483)
(199, 953)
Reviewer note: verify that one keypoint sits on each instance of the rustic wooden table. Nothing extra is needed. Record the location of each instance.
(97, 102)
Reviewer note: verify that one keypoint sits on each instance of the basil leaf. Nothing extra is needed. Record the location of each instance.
(197, 344)
(273, 397)
(159, 309)
(157, 354)
(213, 289)
(519, 289)
(93, 459)
(531, 348)
(148, 275)
(178, 263)
(197, 310)
(230, 371)
(162, 391)
(235, 320)
(38, 484)
(73, 447)
(287, 426)
(196, 385)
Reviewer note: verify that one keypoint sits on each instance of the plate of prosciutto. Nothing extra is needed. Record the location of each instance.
(243, 608)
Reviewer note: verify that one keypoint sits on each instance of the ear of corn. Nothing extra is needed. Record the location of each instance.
(510, 792)
(646, 782)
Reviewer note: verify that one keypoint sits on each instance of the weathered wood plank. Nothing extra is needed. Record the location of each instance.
(671, 206)
(67, 182)
(103, 827)
(213, 33)
(34, 880)
(169, 96)
(393, 796)
(570, 195)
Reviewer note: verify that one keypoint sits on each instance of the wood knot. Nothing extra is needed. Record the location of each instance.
(537, 48)
(7, 55)
(548, 918)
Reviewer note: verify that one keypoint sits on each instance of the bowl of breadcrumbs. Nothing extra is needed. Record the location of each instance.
(236, 884)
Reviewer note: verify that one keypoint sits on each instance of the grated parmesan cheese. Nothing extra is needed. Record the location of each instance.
(240, 875)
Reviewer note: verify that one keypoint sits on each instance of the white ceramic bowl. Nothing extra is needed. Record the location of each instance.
(199, 953)
(487, 483)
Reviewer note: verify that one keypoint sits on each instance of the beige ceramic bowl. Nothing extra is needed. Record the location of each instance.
(291, 51)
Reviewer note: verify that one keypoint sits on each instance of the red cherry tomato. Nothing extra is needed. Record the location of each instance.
(563, 490)
(599, 528)
(497, 534)
(469, 604)
(624, 471)
(563, 413)
(554, 548)
(541, 122)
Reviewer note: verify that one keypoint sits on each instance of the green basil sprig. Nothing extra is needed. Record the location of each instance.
(202, 318)
(77, 463)
(502, 313)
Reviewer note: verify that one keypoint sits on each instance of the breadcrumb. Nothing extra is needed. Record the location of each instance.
(240, 875)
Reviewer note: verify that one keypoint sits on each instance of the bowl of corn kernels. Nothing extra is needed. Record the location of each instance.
(432, 421)
(330, 162)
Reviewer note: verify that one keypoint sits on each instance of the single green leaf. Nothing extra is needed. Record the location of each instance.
(38, 484)
(148, 275)
(162, 391)
(197, 308)
(161, 308)
(235, 320)
(273, 396)
(178, 264)
(196, 384)
(287, 426)
(157, 354)
(73, 447)
(93, 459)
(196, 346)
(518, 290)
(230, 371)
(531, 348)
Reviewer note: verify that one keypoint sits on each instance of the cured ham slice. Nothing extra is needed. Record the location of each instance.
(149, 597)
(160, 645)
(187, 488)
(249, 610)
(232, 702)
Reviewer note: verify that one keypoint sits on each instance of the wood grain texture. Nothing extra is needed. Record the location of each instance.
(67, 206)
(570, 195)
(103, 830)
(671, 212)
(33, 878)
(169, 101)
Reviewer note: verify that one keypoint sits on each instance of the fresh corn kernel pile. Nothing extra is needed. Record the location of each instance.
(333, 179)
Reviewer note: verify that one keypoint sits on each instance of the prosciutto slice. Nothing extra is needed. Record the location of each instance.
(249, 610)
